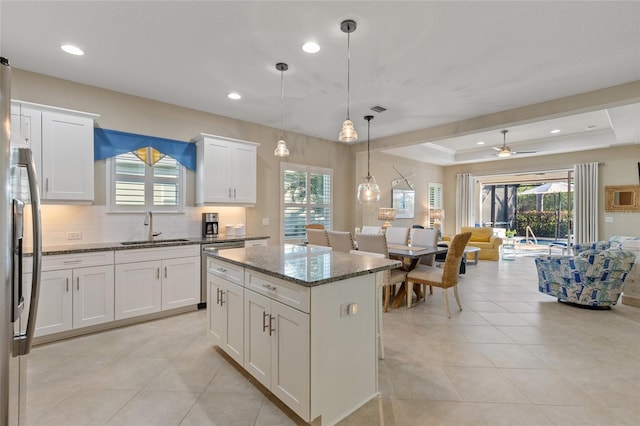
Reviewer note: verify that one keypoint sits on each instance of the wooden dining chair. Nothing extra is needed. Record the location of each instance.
(317, 237)
(341, 241)
(444, 277)
(397, 235)
(314, 226)
(377, 243)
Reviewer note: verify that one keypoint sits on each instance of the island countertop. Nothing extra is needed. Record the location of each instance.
(305, 265)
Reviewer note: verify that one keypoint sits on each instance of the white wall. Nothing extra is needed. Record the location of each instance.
(138, 115)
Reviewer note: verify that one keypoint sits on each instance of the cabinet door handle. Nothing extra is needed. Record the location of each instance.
(271, 329)
(270, 287)
(264, 321)
(229, 192)
(221, 270)
(165, 272)
(67, 285)
(158, 274)
(217, 296)
(46, 185)
(67, 262)
(222, 297)
(234, 193)
(78, 283)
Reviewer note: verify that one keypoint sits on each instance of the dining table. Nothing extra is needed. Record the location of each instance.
(410, 255)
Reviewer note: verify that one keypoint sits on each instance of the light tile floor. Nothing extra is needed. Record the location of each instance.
(513, 356)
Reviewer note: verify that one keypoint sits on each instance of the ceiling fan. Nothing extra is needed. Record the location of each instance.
(505, 151)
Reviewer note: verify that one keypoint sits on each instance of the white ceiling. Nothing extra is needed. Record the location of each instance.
(428, 62)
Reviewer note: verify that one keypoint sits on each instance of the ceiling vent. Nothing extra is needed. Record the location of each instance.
(378, 108)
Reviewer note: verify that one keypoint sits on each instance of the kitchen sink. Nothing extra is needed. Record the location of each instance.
(171, 240)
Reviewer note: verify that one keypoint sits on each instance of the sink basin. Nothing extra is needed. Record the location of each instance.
(135, 243)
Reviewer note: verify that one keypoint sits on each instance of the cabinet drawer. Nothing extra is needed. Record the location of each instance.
(159, 253)
(253, 243)
(290, 294)
(54, 262)
(225, 270)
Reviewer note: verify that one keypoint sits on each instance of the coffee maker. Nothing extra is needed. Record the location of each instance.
(209, 225)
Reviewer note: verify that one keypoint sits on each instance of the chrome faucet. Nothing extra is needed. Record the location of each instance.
(148, 221)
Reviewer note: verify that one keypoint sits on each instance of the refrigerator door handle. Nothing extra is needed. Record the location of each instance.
(17, 292)
(22, 341)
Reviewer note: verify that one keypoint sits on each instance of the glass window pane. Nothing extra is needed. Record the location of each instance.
(129, 193)
(295, 187)
(165, 194)
(166, 167)
(129, 164)
(320, 189)
(295, 219)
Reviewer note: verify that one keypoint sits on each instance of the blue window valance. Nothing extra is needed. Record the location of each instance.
(109, 143)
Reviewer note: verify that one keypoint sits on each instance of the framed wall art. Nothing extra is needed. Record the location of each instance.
(403, 201)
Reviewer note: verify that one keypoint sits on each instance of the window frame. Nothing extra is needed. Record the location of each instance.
(308, 205)
(149, 179)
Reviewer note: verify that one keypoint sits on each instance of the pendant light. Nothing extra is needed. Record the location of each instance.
(368, 191)
(348, 133)
(281, 149)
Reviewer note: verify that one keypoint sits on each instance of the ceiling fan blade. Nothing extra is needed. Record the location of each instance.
(496, 148)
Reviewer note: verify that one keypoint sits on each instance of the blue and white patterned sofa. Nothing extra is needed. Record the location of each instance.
(593, 277)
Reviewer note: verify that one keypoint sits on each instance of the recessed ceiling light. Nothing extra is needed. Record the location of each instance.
(554, 131)
(233, 95)
(591, 127)
(480, 142)
(71, 49)
(311, 47)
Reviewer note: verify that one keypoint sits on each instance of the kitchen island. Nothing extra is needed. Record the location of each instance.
(302, 321)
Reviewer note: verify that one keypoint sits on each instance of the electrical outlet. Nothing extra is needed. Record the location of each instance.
(348, 309)
(265, 221)
(74, 235)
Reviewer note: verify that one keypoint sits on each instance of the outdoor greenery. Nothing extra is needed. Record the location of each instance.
(543, 224)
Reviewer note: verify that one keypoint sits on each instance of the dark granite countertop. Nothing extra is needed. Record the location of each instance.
(171, 242)
(305, 265)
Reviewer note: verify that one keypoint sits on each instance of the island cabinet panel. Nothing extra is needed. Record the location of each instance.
(225, 301)
(344, 363)
(312, 346)
(277, 349)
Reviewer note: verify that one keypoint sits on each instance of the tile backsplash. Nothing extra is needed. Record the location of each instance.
(94, 225)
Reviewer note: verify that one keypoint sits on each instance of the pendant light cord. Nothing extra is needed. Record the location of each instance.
(348, 71)
(368, 151)
(281, 103)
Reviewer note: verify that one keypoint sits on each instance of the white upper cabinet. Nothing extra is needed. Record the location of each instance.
(226, 170)
(62, 144)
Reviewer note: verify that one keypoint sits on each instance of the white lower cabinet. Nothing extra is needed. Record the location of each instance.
(226, 315)
(277, 349)
(138, 289)
(72, 298)
(180, 282)
(155, 279)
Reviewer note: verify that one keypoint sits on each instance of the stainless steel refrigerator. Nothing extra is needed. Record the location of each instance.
(16, 166)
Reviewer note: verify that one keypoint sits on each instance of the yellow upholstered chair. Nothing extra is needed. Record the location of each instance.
(444, 277)
(483, 238)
